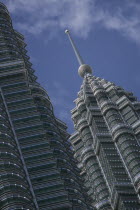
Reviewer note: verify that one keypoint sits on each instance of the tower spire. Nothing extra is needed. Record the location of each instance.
(84, 68)
(78, 56)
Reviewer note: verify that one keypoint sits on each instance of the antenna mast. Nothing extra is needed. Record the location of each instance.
(78, 56)
(84, 69)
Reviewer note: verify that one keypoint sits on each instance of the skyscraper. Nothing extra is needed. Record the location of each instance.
(107, 141)
(37, 168)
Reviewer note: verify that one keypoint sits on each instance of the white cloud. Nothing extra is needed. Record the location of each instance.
(125, 20)
(38, 16)
(81, 16)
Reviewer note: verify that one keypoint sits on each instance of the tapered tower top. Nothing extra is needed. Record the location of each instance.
(83, 68)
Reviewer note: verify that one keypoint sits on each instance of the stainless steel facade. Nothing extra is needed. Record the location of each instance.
(107, 143)
(37, 168)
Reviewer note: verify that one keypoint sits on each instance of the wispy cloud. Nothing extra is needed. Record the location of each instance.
(81, 16)
(124, 19)
(45, 15)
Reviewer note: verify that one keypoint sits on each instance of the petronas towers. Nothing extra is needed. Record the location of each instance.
(106, 143)
(38, 168)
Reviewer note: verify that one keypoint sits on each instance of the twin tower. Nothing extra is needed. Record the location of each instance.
(38, 169)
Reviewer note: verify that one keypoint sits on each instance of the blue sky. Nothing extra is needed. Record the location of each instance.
(107, 34)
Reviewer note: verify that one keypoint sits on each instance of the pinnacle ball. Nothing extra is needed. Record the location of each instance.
(66, 31)
(84, 69)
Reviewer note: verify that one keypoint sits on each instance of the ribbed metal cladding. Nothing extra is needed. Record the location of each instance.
(106, 143)
(38, 170)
